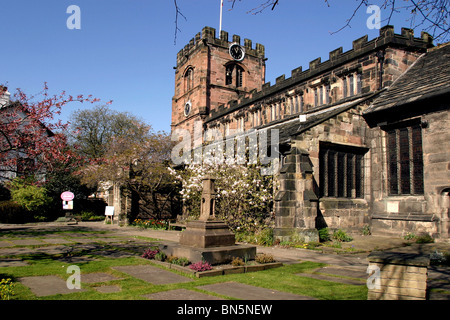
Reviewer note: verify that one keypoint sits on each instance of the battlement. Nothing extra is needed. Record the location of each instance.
(337, 58)
(208, 36)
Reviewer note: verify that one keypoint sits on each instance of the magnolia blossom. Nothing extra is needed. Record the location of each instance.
(244, 197)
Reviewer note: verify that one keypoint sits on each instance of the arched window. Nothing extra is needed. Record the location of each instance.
(189, 79)
(234, 75)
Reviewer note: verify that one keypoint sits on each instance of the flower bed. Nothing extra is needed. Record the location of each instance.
(204, 269)
(151, 224)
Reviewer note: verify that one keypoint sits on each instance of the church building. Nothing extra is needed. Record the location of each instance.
(363, 136)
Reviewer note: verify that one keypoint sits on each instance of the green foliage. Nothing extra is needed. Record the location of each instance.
(366, 230)
(264, 258)
(341, 236)
(12, 212)
(324, 235)
(6, 289)
(180, 261)
(91, 216)
(425, 238)
(160, 256)
(151, 224)
(264, 237)
(409, 236)
(29, 196)
(244, 196)
(236, 262)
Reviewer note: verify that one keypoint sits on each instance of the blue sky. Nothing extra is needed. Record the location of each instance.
(125, 49)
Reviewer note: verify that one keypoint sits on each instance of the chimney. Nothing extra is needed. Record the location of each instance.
(4, 96)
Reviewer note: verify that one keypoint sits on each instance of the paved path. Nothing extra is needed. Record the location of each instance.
(344, 268)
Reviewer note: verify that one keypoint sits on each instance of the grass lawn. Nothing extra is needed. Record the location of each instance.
(281, 279)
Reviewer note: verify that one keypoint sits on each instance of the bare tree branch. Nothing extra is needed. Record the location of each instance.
(177, 14)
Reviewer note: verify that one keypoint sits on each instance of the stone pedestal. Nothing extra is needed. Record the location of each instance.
(213, 255)
(207, 234)
(208, 239)
(397, 276)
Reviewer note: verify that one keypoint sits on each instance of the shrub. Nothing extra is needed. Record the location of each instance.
(341, 236)
(237, 262)
(324, 235)
(425, 238)
(200, 266)
(30, 197)
(264, 237)
(150, 253)
(409, 236)
(90, 216)
(182, 261)
(366, 230)
(264, 258)
(12, 212)
(160, 256)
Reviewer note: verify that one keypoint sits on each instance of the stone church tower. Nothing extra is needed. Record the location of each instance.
(212, 71)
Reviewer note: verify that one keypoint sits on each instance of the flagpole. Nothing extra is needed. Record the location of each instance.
(221, 12)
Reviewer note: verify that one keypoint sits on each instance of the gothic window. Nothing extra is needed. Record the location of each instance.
(341, 171)
(295, 104)
(321, 95)
(234, 75)
(189, 79)
(358, 84)
(405, 159)
(301, 103)
(344, 87)
(327, 93)
(316, 97)
(256, 116)
(241, 123)
(351, 85)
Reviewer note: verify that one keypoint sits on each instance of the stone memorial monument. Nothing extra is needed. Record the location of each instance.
(208, 238)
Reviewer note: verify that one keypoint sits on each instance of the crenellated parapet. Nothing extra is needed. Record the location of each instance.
(337, 60)
(208, 36)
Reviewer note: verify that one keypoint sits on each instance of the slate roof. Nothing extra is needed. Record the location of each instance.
(428, 77)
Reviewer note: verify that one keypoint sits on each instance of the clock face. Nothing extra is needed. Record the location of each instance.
(237, 52)
(187, 108)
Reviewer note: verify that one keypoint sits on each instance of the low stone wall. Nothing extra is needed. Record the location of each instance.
(397, 276)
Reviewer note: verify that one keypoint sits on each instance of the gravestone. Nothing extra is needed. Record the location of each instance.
(208, 238)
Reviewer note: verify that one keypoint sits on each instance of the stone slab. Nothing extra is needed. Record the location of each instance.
(76, 259)
(47, 285)
(56, 241)
(5, 262)
(113, 253)
(27, 242)
(4, 244)
(180, 294)
(248, 292)
(153, 275)
(97, 277)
